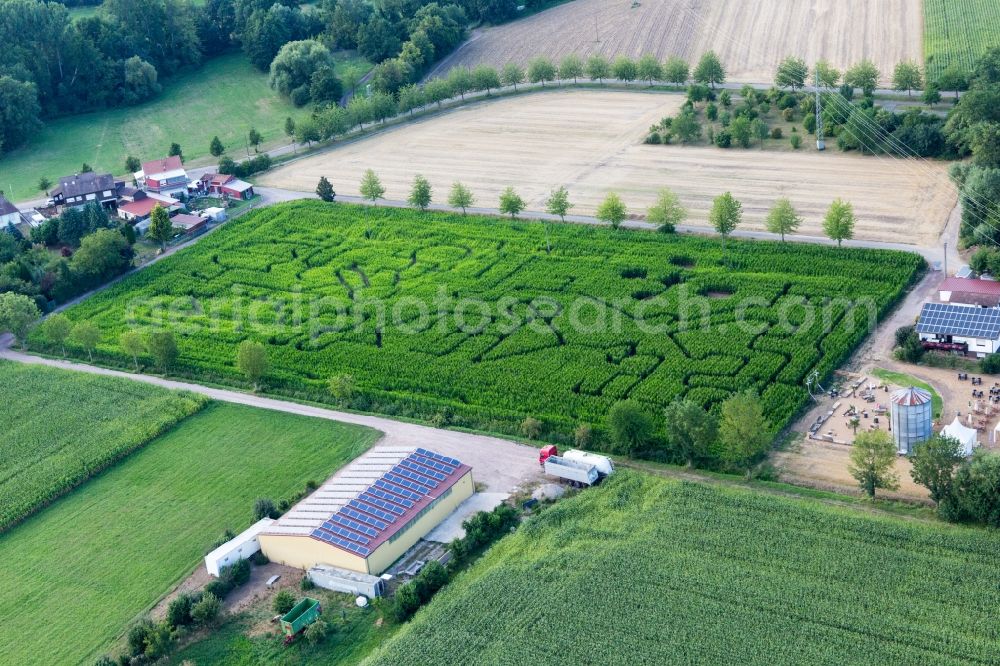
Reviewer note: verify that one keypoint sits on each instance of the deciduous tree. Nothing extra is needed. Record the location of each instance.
(485, 78)
(163, 348)
(56, 329)
(649, 69)
(872, 459)
(540, 70)
(511, 203)
(667, 212)
(676, 71)
(612, 210)
(571, 67)
(934, 464)
(598, 68)
(558, 203)
(782, 218)
(689, 430)
(710, 70)
(18, 314)
(629, 427)
(420, 193)
(371, 186)
(624, 69)
(838, 224)
(725, 216)
(829, 76)
(907, 76)
(791, 73)
(743, 430)
(460, 197)
(132, 344)
(863, 75)
(512, 75)
(160, 228)
(87, 335)
(252, 361)
(132, 164)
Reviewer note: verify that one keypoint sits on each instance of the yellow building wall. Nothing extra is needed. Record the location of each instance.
(304, 552)
(390, 551)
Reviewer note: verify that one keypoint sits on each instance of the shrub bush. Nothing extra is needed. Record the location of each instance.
(654, 138)
(776, 133)
(306, 584)
(796, 141)
(788, 114)
(316, 632)
(723, 139)
(259, 559)
(284, 601)
(990, 364)
(218, 588)
(206, 609)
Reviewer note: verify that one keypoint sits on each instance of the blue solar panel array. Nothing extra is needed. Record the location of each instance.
(961, 320)
(366, 517)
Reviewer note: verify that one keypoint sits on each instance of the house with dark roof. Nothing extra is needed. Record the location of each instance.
(9, 214)
(967, 291)
(83, 188)
(165, 176)
(960, 328)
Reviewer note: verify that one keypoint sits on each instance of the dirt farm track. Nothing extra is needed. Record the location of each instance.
(591, 142)
(750, 36)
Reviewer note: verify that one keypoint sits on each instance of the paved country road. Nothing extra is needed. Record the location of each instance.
(499, 464)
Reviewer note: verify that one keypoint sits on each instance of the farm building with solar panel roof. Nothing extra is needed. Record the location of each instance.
(971, 330)
(371, 512)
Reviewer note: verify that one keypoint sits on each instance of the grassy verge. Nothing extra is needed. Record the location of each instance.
(902, 379)
(88, 564)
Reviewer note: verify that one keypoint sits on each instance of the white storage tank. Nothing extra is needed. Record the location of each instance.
(911, 418)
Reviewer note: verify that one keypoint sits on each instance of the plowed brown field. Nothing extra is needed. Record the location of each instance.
(590, 141)
(750, 36)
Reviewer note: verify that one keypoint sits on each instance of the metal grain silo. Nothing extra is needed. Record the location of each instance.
(911, 418)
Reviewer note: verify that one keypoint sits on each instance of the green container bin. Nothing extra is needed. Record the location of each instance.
(301, 616)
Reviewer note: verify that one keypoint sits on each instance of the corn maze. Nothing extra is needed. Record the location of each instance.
(959, 31)
(488, 321)
(654, 571)
(61, 428)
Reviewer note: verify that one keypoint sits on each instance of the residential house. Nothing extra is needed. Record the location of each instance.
(83, 188)
(967, 291)
(142, 204)
(226, 186)
(9, 214)
(166, 176)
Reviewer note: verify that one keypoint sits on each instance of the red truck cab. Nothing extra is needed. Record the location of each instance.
(546, 452)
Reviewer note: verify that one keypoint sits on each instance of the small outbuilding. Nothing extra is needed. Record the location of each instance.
(239, 548)
(911, 418)
(971, 330)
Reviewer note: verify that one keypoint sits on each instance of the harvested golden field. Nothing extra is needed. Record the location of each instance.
(751, 37)
(591, 142)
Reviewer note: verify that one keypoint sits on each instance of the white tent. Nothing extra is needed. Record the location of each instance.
(967, 437)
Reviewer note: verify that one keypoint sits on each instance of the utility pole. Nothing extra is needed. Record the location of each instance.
(820, 143)
(946, 258)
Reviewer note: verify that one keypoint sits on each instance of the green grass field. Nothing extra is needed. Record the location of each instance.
(507, 329)
(80, 570)
(225, 97)
(61, 428)
(654, 571)
(959, 31)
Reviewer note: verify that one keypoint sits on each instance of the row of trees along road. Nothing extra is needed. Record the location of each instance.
(725, 216)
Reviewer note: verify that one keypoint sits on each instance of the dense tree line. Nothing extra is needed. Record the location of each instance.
(973, 128)
(94, 249)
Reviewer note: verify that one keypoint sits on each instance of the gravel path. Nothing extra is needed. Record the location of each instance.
(500, 465)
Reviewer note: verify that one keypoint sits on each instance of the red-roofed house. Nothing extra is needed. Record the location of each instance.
(166, 176)
(967, 291)
(142, 207)
(226, 185)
